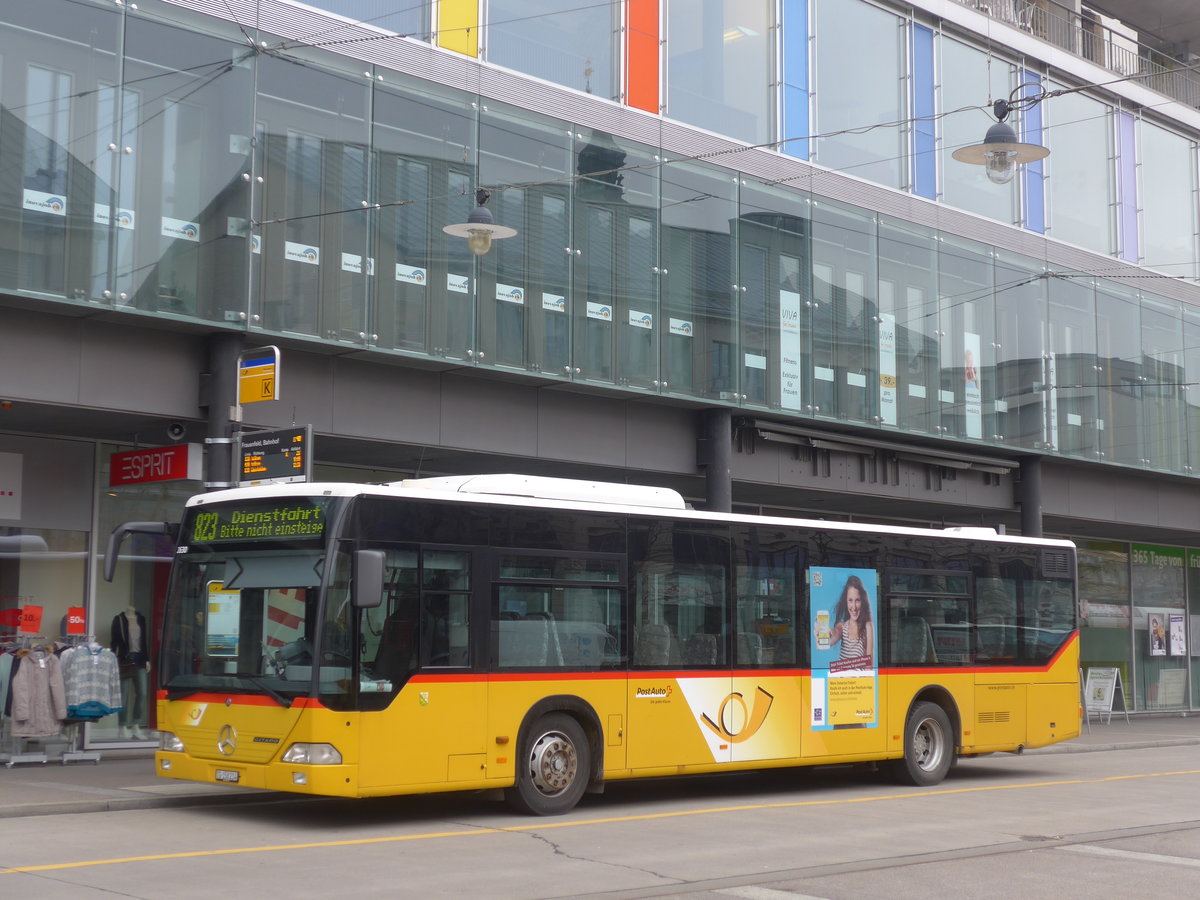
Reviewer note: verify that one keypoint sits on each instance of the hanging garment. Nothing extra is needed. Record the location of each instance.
(93, 682)
(38, 695)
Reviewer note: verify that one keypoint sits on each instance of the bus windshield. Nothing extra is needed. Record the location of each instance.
(242, 612)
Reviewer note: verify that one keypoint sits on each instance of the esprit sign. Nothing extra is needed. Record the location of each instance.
(179, 463)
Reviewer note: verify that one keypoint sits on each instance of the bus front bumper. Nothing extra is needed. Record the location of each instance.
(326, 780)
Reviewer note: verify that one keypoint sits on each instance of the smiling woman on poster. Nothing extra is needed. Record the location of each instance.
(852, 623)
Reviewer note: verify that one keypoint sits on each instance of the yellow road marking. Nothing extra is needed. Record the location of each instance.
(543, 825)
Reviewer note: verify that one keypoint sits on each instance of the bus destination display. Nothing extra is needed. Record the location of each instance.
(276, 456)
(282, 520)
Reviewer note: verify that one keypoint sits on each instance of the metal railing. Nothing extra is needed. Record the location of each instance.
(1086, 36)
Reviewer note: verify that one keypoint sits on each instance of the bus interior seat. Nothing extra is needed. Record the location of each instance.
(700, 649)
(395, 656)
(524, 643)
(585, 644)
(750, 648)
(912, 641)
(655, 645)
(783, 649)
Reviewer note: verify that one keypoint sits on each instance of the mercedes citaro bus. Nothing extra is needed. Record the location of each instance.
(543, 637)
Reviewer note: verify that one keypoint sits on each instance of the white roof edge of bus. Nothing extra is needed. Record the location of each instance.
(415, 486)
(543, 488)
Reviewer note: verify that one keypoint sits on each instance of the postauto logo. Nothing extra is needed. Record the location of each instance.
(655, 692)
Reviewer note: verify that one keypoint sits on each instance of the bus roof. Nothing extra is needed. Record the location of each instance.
(560, 493)
(544, 488)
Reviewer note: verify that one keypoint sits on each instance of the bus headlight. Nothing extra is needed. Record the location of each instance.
(313, 755)
(168, 741)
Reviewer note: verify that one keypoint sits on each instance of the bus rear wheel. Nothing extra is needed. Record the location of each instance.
(552, 768)
(928, 746)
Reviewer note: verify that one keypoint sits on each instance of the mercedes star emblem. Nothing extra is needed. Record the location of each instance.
(227, 740)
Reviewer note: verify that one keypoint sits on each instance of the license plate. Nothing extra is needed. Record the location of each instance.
(228, 775)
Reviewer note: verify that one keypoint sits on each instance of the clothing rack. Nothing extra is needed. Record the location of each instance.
(75, 751)
(18, 753)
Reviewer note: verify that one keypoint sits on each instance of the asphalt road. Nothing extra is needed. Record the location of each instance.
(1120, 824)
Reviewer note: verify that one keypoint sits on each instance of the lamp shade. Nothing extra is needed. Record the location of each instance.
(1000, 153)
(480, 230)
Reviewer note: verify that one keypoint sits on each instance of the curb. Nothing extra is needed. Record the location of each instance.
(120, 804)
(1123, 745)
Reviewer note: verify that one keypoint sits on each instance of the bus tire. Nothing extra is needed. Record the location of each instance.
(928, 746)
(553, 767)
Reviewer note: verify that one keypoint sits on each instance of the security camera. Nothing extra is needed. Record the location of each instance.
(177, 431)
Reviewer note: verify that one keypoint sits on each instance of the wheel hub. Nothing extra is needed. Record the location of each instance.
(553, 763)
(927, 746)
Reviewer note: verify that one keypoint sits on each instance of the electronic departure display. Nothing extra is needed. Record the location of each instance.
(276, 456)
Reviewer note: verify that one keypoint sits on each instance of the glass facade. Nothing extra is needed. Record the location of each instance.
(190, 178)
(758, 72)
(965, 72)
(558, 40)
(1167, 195)
(408, 19)
(1082, 190)
(850, 95)
(719, 56)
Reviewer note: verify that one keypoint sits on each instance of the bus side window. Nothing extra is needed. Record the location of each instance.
(910, 639)
(681, 616)
(996, 613)
(445, 608)
(395, 657)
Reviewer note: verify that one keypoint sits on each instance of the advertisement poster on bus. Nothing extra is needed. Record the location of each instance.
(845, 658)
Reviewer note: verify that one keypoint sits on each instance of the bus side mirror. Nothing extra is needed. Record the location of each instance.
(170, 529)
(366, 581)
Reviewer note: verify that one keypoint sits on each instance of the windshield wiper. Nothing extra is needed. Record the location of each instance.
(285, 702)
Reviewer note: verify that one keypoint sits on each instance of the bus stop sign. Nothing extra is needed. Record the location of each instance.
(258, 375)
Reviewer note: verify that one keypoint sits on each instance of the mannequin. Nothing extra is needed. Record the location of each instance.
(131, 642)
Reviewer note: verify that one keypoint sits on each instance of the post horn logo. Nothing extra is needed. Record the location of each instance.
(753, 717)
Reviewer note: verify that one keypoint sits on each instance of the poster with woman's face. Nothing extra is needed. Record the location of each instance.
(844, 647)
(1156, 629)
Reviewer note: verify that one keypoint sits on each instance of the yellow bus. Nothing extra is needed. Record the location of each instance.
(544, 636)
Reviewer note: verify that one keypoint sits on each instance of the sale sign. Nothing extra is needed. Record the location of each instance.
(31, 619)
(76, 620)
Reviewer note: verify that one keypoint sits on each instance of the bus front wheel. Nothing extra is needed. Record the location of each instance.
(552, 768)
(928, 746)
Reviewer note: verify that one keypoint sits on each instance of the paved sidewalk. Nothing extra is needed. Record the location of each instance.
(125, 779)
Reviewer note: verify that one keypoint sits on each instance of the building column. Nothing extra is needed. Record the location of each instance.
(714, 454)
(1029, 496)
(224, 350)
